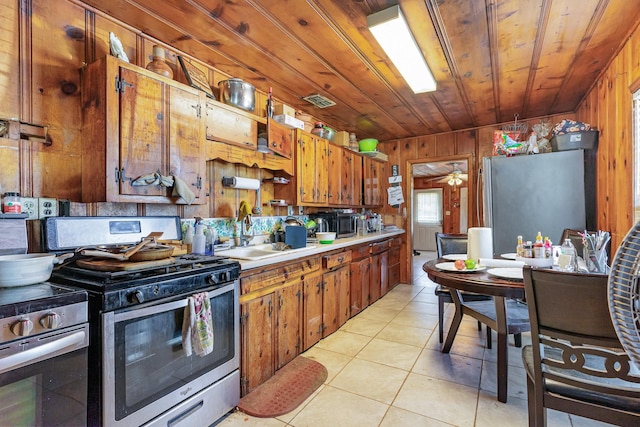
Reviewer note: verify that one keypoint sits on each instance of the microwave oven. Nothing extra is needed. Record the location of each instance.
(343, 224)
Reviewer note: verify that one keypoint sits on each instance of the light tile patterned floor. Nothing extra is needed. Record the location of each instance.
(386, 370)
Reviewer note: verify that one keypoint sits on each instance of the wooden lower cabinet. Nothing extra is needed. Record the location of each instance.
(286, 309)
(394, 262)
(270, 331)
(257, 332)
(359, 281)
(271, 314)
(313, 295)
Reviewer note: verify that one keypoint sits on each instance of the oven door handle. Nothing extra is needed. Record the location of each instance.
(45, 351)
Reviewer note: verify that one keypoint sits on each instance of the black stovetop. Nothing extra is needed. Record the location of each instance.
(20, 300)
(121, 289)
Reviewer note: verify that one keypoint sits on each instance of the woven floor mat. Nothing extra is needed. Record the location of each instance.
(287, 389)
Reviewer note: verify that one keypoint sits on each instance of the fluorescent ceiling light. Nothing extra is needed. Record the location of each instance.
(392, 33)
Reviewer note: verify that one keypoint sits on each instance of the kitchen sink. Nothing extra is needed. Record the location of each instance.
(257, 252)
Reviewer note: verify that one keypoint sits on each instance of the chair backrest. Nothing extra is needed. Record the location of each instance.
(451, 244)
(569, 315)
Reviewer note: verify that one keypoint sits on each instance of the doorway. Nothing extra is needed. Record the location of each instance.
(437, 177)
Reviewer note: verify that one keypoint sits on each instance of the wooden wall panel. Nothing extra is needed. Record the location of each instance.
(9, 48)
(608, 107)
(57, 53)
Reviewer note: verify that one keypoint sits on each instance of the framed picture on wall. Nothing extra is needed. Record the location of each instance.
(196, 77)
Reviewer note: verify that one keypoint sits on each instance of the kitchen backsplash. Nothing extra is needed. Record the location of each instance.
(226, 227)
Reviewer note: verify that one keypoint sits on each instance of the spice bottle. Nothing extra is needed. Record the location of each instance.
(11, 203)
(520, 247)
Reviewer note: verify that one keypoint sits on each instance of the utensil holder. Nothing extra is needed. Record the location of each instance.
(596, 260)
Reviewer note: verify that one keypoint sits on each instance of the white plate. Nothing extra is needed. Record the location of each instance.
(450, 266)
(511, 255)
(506, 273)
(455, 257)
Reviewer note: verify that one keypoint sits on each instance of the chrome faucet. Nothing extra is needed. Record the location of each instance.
(245, 237)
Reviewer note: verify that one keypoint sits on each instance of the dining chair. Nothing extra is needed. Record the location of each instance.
(575, 362)
(447, 244)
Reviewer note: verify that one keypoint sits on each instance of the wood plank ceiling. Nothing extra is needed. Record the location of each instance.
(492, 59)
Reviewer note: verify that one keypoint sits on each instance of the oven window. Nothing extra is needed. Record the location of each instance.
(150, 361)
(47, 393)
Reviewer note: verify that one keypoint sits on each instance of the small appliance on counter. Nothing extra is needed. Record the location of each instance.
(342, 223)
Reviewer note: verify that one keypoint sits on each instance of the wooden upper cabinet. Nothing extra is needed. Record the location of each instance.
(229, 124)
(351, 178)
(280, 138)
(312, 171)
(374, 174)
(139, 124)
(335, 158)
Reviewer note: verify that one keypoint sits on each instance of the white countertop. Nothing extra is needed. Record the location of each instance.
(315, 249)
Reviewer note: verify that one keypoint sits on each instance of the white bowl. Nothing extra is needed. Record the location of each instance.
(326, 236)
(537, 262)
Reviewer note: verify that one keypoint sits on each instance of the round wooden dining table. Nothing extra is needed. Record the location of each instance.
(506, 314)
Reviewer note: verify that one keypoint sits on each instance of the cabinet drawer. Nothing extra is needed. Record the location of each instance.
(231, 127)
(277, 276)
(378, 247)
(360, 252)
(396, 241)
(336, 260)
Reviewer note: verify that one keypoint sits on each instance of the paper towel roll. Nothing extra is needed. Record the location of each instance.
(240, 182)
(480, 243)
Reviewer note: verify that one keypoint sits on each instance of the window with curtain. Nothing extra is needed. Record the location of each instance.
(636, 155)
(429, 206)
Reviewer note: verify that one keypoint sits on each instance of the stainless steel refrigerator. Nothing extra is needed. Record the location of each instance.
(544, 192)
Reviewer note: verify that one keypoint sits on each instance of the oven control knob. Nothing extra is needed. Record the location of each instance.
(217, 278)
(136, 296)
(22, 327)
(50, 320)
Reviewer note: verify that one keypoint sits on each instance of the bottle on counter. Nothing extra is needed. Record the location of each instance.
(211, 237)
(538, 247)
(520, 247)
(548, 247)
(270, 106)
(11, 203)
(199, 240)
(187, 238)
(528, 249)
(567, 248)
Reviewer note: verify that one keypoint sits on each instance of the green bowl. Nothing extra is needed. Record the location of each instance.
(368, 144)
(325, 242)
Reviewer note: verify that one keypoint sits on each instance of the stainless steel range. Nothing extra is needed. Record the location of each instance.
(143, 376)
(44, 338)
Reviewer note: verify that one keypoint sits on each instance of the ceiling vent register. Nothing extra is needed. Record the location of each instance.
(319, 101)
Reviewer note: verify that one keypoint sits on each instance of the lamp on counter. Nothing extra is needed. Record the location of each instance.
(392, 33)
(241, 183)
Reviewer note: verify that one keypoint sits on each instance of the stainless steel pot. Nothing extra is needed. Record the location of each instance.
(238, 93)
(27, 269)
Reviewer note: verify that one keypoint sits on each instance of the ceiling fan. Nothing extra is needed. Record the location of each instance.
(455, 177)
